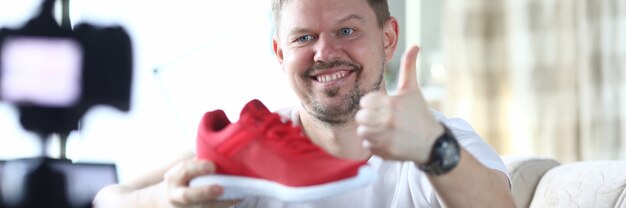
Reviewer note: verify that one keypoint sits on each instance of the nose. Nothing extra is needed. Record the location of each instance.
(327, 49)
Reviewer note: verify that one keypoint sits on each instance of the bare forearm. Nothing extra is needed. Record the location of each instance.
(471, 184)
(126, 196)
(147, 190)
(166, 187)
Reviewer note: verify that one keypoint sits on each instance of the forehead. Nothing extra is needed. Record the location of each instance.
(319, 13)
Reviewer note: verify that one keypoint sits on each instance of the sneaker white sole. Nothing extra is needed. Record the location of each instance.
(236, 187)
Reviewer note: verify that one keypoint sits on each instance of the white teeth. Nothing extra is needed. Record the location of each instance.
(331, 77)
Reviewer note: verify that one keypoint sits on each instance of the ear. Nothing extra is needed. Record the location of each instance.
(278, 51)
(390, 37)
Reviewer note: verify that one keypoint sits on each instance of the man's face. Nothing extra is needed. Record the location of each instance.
(333, 53)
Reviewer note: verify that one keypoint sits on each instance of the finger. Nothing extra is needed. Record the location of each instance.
(408, 76)
(376, 141)
(181, 174)
(372, 118)
(195, 195)
(374, 100)
(383, 152)
(375, 137)
(366, 144)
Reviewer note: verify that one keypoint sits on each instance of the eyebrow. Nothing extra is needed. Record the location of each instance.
(351, 17)
(360, 18)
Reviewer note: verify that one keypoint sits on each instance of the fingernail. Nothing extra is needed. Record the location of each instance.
(366, 144)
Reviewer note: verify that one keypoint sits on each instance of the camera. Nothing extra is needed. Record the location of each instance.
(53, 75)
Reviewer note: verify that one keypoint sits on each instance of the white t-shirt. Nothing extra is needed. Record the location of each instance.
(399, 184)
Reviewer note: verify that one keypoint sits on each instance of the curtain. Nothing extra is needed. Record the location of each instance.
(479, 74)
(540, 77)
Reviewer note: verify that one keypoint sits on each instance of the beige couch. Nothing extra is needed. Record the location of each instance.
(544, 182)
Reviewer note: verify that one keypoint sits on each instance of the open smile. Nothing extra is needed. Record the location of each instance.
(329, 77)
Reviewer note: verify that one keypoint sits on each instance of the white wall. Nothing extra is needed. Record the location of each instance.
(211, 54)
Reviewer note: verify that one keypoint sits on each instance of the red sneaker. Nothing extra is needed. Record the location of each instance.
(261, 155)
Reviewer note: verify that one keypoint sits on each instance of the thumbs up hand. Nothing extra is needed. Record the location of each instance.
(400, 126)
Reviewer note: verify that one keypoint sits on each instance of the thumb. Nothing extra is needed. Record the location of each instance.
(407, 79)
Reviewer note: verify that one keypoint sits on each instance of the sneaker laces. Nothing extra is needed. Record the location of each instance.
(287, 134)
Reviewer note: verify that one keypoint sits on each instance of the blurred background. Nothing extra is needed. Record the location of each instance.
(536, 77)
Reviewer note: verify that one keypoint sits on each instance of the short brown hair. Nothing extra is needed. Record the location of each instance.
(380, 7)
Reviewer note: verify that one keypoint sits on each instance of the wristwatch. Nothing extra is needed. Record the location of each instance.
(444, 156)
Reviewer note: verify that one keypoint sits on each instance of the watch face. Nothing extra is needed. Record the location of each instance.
(450, 154)
(445, 155)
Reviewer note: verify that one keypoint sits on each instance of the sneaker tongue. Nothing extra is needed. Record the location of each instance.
(255, 109)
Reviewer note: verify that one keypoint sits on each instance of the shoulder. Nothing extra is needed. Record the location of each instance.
(289, 113)
(461, 129)
(457, 125)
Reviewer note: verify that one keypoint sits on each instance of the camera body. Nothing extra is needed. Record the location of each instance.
(54, 75)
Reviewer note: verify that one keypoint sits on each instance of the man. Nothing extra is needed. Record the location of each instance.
(334, 53)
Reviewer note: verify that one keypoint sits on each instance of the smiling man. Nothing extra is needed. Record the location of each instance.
(334, 53)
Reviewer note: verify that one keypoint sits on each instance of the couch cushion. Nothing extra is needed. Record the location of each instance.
(583, 184)
(525, 174)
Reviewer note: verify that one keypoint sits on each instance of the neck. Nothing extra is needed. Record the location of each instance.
(338, 140)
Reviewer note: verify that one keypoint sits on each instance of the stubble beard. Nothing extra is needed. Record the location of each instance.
(344, 112)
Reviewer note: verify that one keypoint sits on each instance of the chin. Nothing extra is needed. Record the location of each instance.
(334, 109)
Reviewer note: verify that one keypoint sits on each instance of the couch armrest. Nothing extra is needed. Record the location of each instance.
(525, 173)
(583, 184)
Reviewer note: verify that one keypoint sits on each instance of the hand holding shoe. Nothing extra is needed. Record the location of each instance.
(179, 194)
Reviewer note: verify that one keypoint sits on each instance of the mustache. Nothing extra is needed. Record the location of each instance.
(317, 66)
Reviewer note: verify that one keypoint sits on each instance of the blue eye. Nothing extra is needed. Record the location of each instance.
(346, 31)
(305, 38)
